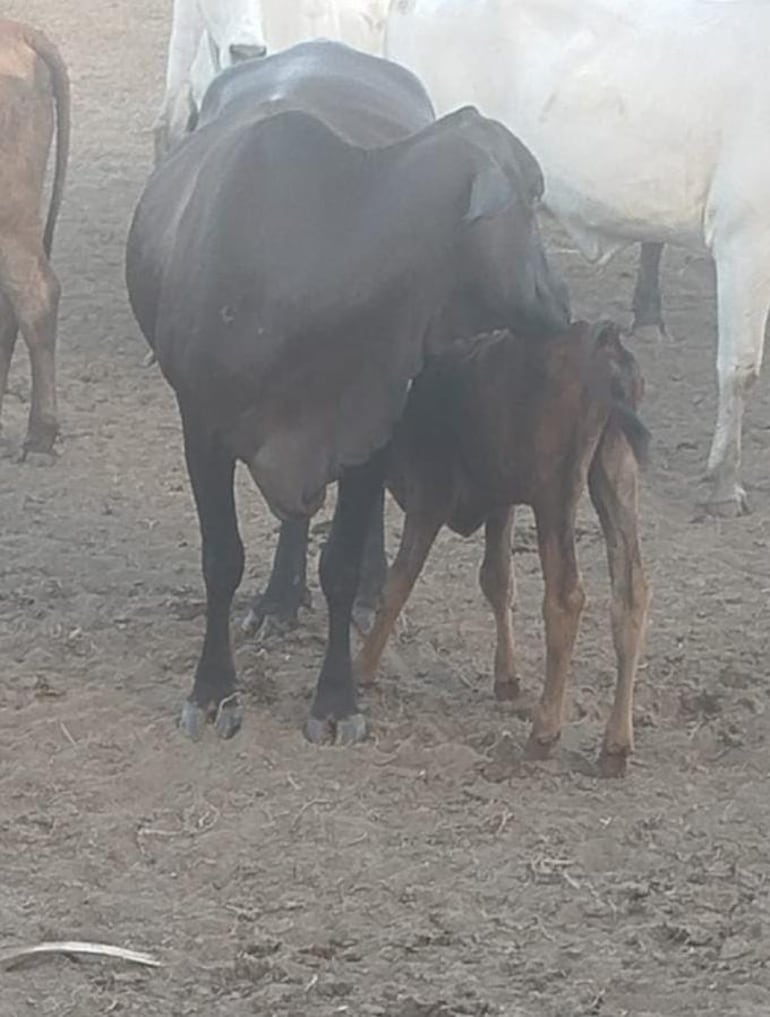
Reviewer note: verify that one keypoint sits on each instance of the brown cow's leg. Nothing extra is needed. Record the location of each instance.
(334, 715)
(498, 586)
(613, 483)
(420, 529)
(562, 607)
(8, 332)
(211, 469)
(33, 291)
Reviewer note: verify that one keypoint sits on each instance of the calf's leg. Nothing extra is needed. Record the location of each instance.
(497, 584)
(647, 304)
(33, 290)
(334, 714)
(613, 484)
(420, 529)
(286, 590)
(562, 606)
(211, 469)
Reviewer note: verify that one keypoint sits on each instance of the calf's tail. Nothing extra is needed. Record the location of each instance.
(60, 82)
(618, 382)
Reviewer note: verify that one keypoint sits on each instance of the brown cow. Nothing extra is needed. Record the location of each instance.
(504, 421)
(33, 78)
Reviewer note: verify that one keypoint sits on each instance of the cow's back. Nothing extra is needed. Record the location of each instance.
(366, 100)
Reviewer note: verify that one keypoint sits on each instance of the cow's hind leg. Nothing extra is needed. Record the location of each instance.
(613, 483)
(374, 570)
(334, 715)
(33, 290)
(8, 333)
(743, 297)
(562, 607)
(647, 304)
(286, 591)
(211, 468)
(497, 584)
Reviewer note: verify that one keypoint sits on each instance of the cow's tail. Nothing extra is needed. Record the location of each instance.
(615, 378)
(60, 82)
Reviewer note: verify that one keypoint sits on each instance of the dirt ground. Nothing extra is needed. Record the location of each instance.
(427, 873)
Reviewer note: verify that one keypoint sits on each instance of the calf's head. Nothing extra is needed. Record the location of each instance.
(506, 274)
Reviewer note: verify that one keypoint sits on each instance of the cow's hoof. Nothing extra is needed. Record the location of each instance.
(727, 508)
(30, 457)
(193, 720)
(226, 718)
(267, 617)
(328, 731)
(262, 627)
(539, 749)
(612, 764)
(363, 618)
(41, 436)
(229, 716)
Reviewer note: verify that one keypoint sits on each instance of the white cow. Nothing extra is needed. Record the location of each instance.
(651, 121)
(209, 35)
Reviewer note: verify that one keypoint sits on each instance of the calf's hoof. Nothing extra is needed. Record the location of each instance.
(506, 689)
(612, 764)
(226, 718)
(539, 749)
(331, 731)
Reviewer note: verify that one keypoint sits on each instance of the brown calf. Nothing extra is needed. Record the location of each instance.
(33, 78)
(507, 421)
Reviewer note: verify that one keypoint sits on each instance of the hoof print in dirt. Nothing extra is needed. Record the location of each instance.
(328, 731)
(227, 718)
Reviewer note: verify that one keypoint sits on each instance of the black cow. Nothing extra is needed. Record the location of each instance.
(292, 279)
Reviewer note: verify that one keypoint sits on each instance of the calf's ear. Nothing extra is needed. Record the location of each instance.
(491, 193)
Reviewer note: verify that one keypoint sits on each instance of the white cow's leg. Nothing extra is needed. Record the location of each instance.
(743, 294)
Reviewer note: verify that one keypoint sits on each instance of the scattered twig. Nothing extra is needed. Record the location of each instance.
(305, 807)
(9, 958)
(67, 733)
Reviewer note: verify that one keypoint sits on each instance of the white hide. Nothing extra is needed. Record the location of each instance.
(651, 121)
(203, 30)
(359, 23)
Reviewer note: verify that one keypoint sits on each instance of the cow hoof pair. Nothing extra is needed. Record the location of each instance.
(329, 731)
(226, 718)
